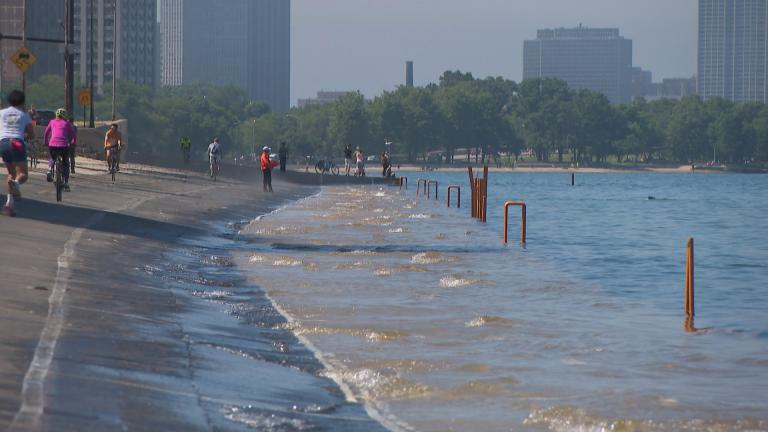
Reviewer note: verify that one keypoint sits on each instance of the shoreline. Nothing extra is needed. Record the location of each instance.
(568, 170)
(111, 344)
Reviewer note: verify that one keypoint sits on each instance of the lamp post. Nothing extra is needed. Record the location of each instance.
(91, 120)
(114, 62)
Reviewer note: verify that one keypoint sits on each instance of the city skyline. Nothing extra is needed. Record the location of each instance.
(485, 39)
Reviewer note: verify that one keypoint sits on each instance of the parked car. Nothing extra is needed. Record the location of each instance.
(43, 116)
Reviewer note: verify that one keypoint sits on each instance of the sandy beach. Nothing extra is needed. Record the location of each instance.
(89, 342)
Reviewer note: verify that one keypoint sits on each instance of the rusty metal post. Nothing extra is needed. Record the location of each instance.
(485, 191)
(484, 206)
(573, 179)
(689, 291)
(418, 186)
(429, 183)
(457, 188)
(523, 216)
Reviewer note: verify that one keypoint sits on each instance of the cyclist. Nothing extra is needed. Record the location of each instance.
(186, 146)
(15, 127)
(348, 158)
(113, 142)
(214, 156)
(59, 135)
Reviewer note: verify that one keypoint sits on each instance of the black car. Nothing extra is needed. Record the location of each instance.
(42, 117)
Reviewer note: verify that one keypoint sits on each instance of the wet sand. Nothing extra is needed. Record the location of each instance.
(88, 341)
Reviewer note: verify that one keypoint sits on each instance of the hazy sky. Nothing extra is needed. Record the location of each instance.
(363, 44)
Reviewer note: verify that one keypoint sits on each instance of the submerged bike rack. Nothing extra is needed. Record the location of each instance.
(418, 186)
(458, 195)
(403, 180)
(429, 184)
(479, 189)
(507, 205)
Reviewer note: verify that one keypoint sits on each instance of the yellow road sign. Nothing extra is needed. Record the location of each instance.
(84, 97)
(23, 59)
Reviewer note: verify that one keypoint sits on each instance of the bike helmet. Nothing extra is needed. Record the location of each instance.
(61, 113)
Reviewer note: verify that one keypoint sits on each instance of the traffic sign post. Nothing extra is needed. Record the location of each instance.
(84, 99)
(23, 59)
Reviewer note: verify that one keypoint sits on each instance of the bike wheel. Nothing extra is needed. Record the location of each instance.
(58, 179)
(113, 171)
(335, 170)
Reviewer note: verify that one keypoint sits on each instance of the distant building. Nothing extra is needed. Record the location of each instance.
(244, 43)
(642, 82)
(42, 22)
(136, 57)
(409, 74)
(171, 42)
(733, 50)
(323, 98)
(597, 59)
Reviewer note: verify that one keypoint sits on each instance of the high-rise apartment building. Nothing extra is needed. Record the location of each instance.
(44, 20)
(136, 44)
(733, 50)
(245, 43)
(171, 42)
(597, 59)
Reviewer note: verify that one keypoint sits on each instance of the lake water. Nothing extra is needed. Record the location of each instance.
(422, 314)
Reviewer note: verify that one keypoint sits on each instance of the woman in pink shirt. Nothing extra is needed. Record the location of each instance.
(59, 135)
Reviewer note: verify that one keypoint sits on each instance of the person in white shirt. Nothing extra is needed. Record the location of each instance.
(15, 128)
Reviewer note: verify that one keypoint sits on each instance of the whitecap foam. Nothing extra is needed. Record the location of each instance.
(455, 281)
(287, 262)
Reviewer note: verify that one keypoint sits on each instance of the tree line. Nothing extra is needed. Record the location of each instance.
(460, 117)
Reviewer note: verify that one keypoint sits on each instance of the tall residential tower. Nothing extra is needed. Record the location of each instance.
(597, 59)
(245, 43)
(733, 50)
(136, 56)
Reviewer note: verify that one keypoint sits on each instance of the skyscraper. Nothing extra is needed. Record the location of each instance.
(597, 59)
(733, 44)
(44, 20)
(136, 46)
(171, 42)
(245, 43)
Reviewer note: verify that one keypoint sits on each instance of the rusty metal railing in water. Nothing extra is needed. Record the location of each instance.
(418, 186)
(403, 180)
(429, 186)
(458, 195)
(523, 216)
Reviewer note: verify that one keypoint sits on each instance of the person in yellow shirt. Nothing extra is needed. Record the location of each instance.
(113, 142)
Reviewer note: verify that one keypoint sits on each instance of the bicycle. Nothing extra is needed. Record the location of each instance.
(58, 177)
(323, 166)
(215, 168)
(32, 154)
(112, 162)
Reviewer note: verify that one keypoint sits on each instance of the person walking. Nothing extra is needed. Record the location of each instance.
(186, 147)
(386, 165)
(360, 160)
(15, 127)
(348, 158)
(72, 146)
(266, 168)
(58, 136)
(283, 154)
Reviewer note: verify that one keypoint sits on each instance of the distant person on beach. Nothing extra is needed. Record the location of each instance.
(360, 158)
(15, 129)
(214, 156)
(283, 154)
(348, 158)
(113, 142)
(386, 165)
(186, 147)
(58, 136)
(266, 168)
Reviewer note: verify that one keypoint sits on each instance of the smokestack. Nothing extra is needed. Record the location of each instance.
(409, 73)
